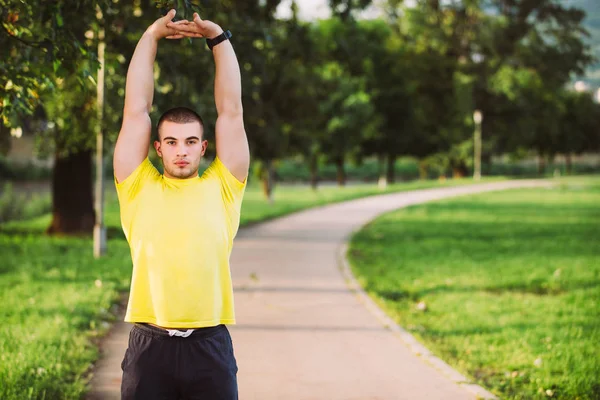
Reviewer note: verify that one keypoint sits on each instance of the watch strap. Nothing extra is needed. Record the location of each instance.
(218, 39)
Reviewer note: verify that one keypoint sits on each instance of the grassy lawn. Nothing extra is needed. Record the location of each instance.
(510, 281)
(57, 300)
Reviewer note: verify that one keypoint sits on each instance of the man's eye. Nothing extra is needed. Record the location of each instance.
(170, 142)
(192, 142)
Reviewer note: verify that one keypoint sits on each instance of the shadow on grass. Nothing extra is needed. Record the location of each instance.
(397, 295)
(438, 334)
(503, 207)
(21, 231)
(538, 288)
(112, 232)
(519, 236)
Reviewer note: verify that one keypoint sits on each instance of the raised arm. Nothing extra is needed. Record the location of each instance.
(231, 140)
(232, 143)
(133, 142)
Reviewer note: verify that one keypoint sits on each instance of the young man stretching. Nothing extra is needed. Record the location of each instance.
(180, 228)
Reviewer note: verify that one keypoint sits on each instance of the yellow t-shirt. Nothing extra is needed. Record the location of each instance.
(181, 233)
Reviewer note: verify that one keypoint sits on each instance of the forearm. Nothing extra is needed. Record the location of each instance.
(139, 88)
(228, 82)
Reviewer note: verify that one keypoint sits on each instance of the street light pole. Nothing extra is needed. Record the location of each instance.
(99, 229)
(477, 118)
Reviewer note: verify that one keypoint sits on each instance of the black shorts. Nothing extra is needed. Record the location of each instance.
(158, 366)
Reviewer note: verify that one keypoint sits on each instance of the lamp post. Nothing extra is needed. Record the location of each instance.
(99, 229)
(477, 118)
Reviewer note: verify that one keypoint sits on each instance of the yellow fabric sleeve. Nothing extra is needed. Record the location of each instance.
(232, 189)
(130, 187)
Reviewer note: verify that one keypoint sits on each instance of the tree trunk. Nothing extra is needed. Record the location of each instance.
(341, 174)
(72, 198)
(5, 139)
(486, 163)
(267, 181)
(459, 170)
(422, 170)
(568, 163)
(541, 164)
(390, 169)
(382, 181)
(314, 171)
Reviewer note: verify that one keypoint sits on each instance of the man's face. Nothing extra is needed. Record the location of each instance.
(180, 147)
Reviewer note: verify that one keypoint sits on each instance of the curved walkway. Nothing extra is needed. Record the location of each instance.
(304, 331)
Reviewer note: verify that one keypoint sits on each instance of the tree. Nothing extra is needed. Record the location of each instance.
(350, 117)
(463, 50)
(50, 70)
(579, 127)
(431, 33)
(304, 93)
(531, 50)
(388, 81)
(37, 47)
(343, 9)
(178, 80)
(346, 118)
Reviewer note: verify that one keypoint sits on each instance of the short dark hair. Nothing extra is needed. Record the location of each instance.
(179, 115)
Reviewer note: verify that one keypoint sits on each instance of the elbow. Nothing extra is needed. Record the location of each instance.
(136, 110)
(137, 107)
(231, 109)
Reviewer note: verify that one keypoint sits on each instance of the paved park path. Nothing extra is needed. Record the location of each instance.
(304, 329)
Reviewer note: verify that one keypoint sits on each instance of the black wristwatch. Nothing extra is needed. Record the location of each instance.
(218, 39)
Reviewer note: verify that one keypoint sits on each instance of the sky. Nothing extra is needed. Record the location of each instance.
(309, 9)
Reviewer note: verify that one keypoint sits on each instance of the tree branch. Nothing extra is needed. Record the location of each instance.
(39, 44)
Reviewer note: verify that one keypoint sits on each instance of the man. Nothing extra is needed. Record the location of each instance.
(180, 227)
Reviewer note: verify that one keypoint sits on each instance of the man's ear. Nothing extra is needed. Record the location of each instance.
(204, 146)
(157, 148)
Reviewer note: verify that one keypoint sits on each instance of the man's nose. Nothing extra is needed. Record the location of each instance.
(181, 150)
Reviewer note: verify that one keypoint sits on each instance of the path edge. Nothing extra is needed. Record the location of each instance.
(409, 340)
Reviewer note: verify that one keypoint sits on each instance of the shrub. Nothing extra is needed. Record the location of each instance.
(22, 171)
(14, 206)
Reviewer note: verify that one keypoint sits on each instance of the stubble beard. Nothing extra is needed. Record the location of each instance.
(189, 171)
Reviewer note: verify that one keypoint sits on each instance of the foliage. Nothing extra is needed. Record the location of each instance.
(343, 88)
(579, 124)
(38, 43)
(14, 171)
(16, 206)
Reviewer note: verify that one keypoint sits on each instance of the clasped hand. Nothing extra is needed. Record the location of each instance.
(165, 28)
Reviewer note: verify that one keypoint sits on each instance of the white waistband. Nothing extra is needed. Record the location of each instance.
(176, 332)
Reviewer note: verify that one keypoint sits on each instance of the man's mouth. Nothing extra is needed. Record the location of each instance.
(181, 163)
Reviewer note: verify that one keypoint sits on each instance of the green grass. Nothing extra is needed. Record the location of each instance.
(57, 300)
(510, 280)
